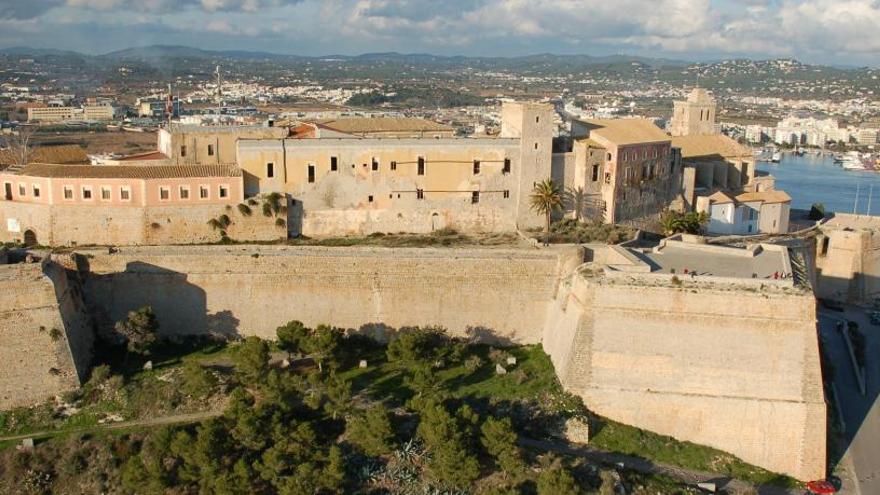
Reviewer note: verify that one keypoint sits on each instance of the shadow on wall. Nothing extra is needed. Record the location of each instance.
(181, 307)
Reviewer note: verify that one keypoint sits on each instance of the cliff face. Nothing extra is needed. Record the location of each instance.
(45, 334)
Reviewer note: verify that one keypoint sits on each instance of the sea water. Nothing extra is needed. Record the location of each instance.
(812, 179)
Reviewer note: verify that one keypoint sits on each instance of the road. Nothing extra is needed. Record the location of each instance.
(860, 467)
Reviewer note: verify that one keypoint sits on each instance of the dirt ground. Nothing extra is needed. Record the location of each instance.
(102, 142)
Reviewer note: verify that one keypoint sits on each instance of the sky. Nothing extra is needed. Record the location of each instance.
(819, 31)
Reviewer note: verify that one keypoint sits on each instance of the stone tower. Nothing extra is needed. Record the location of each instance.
(695, 116)
(532, 124)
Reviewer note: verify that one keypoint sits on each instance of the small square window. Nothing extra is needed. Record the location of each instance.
(475, 197)
(270, 170)
(334, 164)
(68, 192)
(164, 193)
(204, 192)
(183, 150)
(184, 192)
(86, 193)
(375, 164)
(393, 165)
(106, 193)
(506, 194)
(36, 191)
(224, 191)
(536, 145)
(22, 190)
(124, 193)
(421, 162)
(420, 194)
(311, 173)
(210, 150)
(476, 167)
(370, 198)
(506, 169)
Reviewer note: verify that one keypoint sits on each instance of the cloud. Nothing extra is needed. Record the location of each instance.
(816, 30)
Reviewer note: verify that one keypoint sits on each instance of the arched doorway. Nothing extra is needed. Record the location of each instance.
(30, 238)
(437, 222)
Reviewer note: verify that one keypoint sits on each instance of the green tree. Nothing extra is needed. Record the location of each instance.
(499, 440)
(338, 394)
(450, 461)
(817, 212)
(415, 345)
(557, 480)
(322, 344)
(371, 431)
(291, 336)
(692, 222)
(544, 200)
(252, 360)
(140, 329)
(197, 381)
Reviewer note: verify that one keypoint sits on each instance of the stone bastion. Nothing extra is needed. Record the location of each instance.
(726, 356)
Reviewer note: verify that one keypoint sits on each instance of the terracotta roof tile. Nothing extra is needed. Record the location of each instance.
(626, 131)
(129, 172)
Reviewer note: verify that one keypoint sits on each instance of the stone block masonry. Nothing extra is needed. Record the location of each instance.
(494, 294)
(45, 334)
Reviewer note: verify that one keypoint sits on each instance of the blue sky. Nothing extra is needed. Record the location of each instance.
(825, 31)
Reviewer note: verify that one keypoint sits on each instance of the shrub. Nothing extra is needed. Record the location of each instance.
(140, 330)
(197, 381)
(473, 363)
(280, 222)
(55, 334)
(371, 431)
(556, 480)
(245, 209)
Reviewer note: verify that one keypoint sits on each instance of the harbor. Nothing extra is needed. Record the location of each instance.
(817, 178)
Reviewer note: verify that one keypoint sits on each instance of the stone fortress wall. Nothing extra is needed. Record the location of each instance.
(45, 334)
(736, 368)
(83, 225)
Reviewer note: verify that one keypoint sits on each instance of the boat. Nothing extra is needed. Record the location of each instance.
(852, 161)
(777, 156)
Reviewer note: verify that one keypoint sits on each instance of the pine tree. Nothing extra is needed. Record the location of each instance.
(371, 431)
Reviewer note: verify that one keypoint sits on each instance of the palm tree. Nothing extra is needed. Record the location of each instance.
(576, 199)
(546, 198)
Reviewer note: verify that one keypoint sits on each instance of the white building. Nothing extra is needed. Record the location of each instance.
(750, 213)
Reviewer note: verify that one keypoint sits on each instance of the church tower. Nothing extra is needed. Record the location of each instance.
(695, 116)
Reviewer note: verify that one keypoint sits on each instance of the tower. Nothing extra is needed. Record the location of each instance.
(532, 124)
(694, 116)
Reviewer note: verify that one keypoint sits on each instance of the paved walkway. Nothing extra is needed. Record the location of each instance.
(688, 476)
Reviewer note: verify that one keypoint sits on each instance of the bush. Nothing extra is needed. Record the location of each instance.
(557, 480)
(197, 381)
(245, 209)
(817, 212)
(473, 363)
(371, 431)
(140, 329)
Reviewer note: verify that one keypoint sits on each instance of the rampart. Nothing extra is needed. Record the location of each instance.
(730, 365)
(72, 225)
(497, 294)
(733, 367)
(45, 334)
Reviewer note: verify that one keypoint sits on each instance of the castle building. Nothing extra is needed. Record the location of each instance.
(694, 116)
(627, 166)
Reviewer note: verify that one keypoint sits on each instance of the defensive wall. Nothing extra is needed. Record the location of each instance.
(732, 364)
(78, 225)
(45, 334)
(847, 259)
(495, 294)
(710, 358)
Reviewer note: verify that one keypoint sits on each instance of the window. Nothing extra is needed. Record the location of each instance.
(393, 165)
(22, 190)
(311, 173)
(184, 192)
(270, 170)
(106, 193)
(210, 150)
(506, 194)
(476, 167)
(625, 158)
(655, 152)
(609, 157)
(595, 175)
(825, 243)
(125, 193)
(506, 169)
(375, 164)
(536, 145)
(204, 192)
(537, 119)
(36, 191)
(608, 177)
(475, 197)
(334, 164)
(420, 194)
(421, 170)
(87, 192)
(370, 198)
(164, 193)
(183, 150)
(224, 191)
(68, 192)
